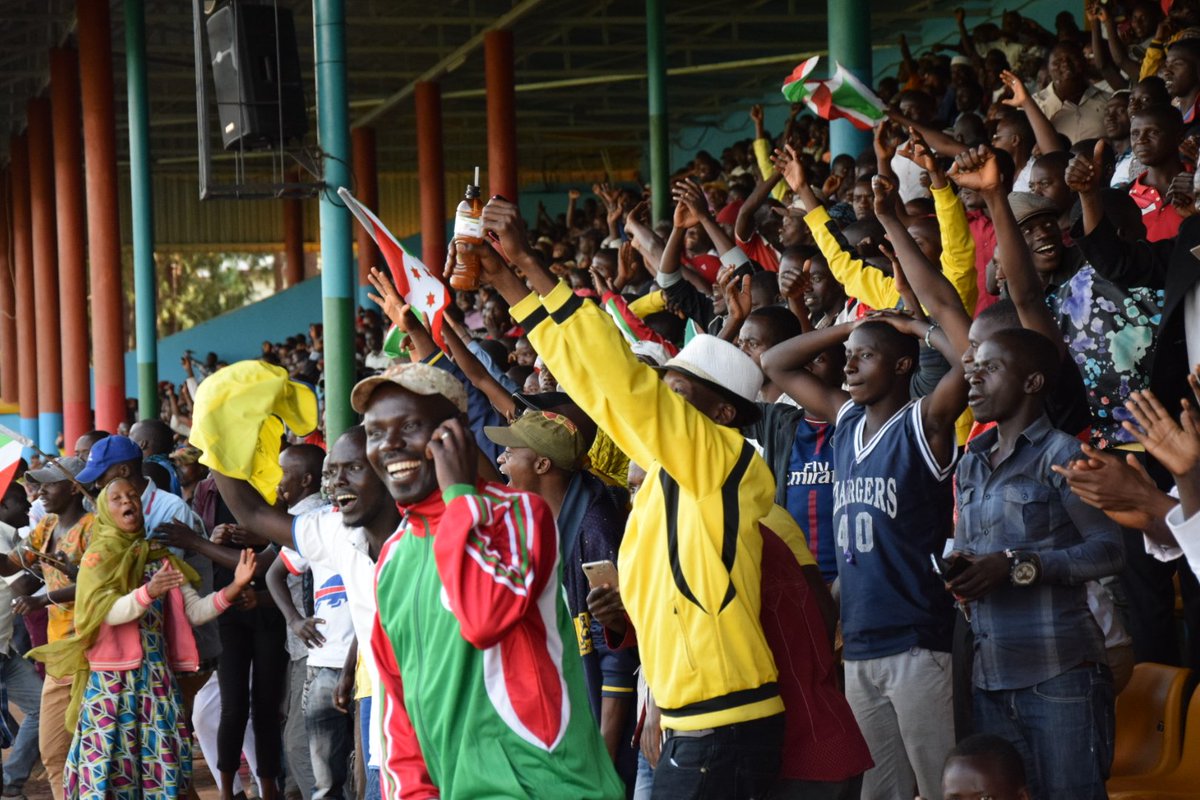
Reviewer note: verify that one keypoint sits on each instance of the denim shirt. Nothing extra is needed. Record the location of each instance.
(1028, 634)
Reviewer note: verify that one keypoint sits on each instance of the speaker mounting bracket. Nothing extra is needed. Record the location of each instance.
(284, 171)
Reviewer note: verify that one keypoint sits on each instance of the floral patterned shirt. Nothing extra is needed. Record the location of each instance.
(1109, 331)
(72, 545)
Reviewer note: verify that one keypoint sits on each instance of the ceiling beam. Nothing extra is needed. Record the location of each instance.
(450, 62)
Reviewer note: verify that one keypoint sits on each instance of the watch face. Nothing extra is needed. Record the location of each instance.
(1024, 573)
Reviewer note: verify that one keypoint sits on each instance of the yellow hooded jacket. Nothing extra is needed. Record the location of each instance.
(690, 560)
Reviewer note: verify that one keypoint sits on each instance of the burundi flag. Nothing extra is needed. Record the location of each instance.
(11, 446)
(424, 292)
(842, 96)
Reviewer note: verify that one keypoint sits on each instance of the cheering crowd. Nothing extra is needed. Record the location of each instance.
(868, 476)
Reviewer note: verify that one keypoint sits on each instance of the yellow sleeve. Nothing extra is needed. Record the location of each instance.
(762, 154)
(1151, 61)
(786, 528)
(649, 304)
(626, 399)
(958, 248)
(867, 284)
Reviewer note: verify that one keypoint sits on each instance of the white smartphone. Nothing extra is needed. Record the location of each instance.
(600, 573)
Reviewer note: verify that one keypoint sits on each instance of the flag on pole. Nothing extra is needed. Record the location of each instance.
(423, 291)
(841, 96)
(11, 446)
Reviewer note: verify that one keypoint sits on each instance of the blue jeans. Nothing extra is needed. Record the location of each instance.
(330, 733)
(645, 778)
(733, 762)
(1063, 729)
(25, 689)
(374, 791)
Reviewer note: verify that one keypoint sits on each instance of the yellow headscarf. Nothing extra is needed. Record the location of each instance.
(113, 566)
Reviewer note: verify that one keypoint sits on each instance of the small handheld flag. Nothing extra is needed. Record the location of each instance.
(842, 96)
(423, 291)
(11, 446)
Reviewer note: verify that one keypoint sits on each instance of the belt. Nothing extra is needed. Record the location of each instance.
(671, 733)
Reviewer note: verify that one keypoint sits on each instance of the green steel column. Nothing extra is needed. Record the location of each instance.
(848, 19)
(337, 266)
(145, 286)
(656, 89)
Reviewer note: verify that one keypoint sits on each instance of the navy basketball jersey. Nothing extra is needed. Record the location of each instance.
(892, 508)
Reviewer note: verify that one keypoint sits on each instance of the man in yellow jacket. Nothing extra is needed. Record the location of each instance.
(690, 560)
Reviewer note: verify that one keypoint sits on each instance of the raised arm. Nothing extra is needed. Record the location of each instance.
(977, 169)
(932, 289)
(785, 366)
(252, 511)
(942, 144)
(1043, 132)
(1116, 48)
(967, 43)
(743, 229)
(456, 343)
(690, 194)
(644, 238)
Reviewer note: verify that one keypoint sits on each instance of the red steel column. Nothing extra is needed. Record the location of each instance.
(366, 189)
(72, 243)
(8, 301)
(293, 242)
(94, 29)
(431, 175)
(27, 395)
(45, 272)
(501, 113)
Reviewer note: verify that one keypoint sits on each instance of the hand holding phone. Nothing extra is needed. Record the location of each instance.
(600, 573)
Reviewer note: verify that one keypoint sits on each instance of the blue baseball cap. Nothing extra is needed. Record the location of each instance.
(107, 453)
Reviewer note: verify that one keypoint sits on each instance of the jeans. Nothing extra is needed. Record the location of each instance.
(330, 733)
(903, 705)
(645, 778)
(25, 689)
(374, 788)
(733, 762)
(1063, 728)
(850, 789)
(295, 734)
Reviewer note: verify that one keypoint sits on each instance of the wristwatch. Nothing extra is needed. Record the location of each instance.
(1024, 568)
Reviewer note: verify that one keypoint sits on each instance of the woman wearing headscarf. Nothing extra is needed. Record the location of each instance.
(134, 609)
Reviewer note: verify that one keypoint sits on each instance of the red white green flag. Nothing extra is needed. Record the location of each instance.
(841, 96)
(11, 445)
(423, 291)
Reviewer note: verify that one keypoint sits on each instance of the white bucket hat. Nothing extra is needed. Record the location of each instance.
(725, 369)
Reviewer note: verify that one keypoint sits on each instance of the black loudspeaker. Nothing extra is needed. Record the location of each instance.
(256, 70)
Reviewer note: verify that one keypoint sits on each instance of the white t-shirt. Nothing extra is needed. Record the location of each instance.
(330, 604)
(322, 539)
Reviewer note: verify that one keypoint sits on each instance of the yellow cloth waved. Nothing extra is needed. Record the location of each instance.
(239, 417)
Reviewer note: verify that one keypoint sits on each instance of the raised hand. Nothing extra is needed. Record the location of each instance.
(626, 264)
(166, 579)
(794, 283)
(1084, 173)
(737, 296)
(790, 167)
(685, 215)
(503, 220)
(1176, 445)
(386, 297)
(756, 113)
(976, 168)
(244, 572)
(885, 148)
(831, 185)
(885, 195)
(689, 194)
(917, 150)
(1020, 95)
(601, 282)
